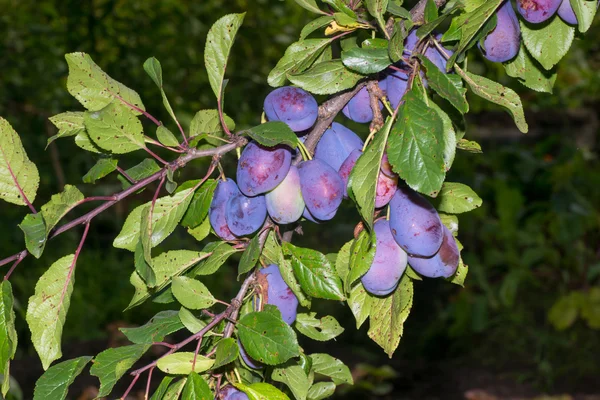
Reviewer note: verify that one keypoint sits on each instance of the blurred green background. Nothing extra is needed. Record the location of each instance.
(527, 320)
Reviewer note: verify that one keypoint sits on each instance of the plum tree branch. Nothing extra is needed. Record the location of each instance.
(418, 11)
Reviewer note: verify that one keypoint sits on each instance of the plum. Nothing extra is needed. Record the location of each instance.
(386, 187)
(292, 105)
(443, 263)
(260, 169)
(252, 363)
(502, 44)
(435, 55)
(231, 393)
(336, 144)
(359, 108)
(346, 168)
(285, 203)
(388, 265)
(245, 215)
(565, 11)
(322, 188)
(536, 11)
(279, 293)
(216, 215)
(415, 224)
(410, 42)
(386, 167)
(396, 84)
(306, 214)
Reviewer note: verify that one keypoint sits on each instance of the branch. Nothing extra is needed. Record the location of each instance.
(418, 11)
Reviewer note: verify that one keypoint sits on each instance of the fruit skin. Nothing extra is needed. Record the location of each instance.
(536, 11)
(260, 169)
(388, 264)
(359, 108)
(436, 57)
(231, 393)
(247, 359)
(443, 263)
(279, 293)
(306, 214)
(346, 168)
(565, 11)
(396, 84)
(502, 44)
(415, 224)
(245, 215)
(386, 167)
(216, 215)
(285, 203)
(322, 188)
(336, 144)
(292, 105)
(386, 187)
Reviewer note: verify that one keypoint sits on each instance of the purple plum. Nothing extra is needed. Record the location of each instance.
(443, 263)
(502, 44)
(435, 55)
(388, 265)
(260, 169)
(410, 42)
(415, 224)
(536, 11)
(346, 168)
(292, 105)
(322, 188)
(336, 144)
(386, 167)
(216, 215)
(278, 293)
(566, 12)
(231, 393)
(359, 108)
(285, 203)
(245, 215)
(306, 214)
(396, 84)
(252, 363)
(386, 187)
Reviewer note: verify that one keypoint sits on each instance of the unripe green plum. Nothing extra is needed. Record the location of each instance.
(285, 203)
(443, 263)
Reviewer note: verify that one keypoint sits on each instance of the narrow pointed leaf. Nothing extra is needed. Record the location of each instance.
(155, 330)
(54, 383)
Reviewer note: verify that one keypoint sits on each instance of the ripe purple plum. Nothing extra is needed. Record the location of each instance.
(386, 187)
(388, 265)
(252, 363)
(322, 188)
(306, 214)
(359, 108)
(415, 224)
(346, 168)
(231, 393)
(396, 84)
(279, 293)
(260, 169)
(292, 105)
(216, 215)
(502, 44)
(336, 144)
(435, 55)
(386, 167)
(410, 42)
(443, 263)
(245, 215)
(566, 12)
(285, 203)
(536, 11)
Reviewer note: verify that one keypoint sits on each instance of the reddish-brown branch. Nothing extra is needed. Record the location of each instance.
(130, 387)
(126, 175)
(147, 394)
(20, 258)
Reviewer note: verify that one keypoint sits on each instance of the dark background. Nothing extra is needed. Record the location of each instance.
(533, 243)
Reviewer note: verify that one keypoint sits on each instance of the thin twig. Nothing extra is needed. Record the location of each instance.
(126, 175)
(130, 387)
(22, 255)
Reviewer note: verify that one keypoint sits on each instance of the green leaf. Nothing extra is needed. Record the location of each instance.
(460, 275)
(415, 146)
(443, 86)
(192, 323)
(536, 39)
(388, 315)
(585, 11)
(342, 261)
(168, 211)
(84, 141)
(362, 182)
(498, 94)
(396, 44)
(449, 134)
(174, 263)
(197, 211)
(166, 137)
(362, 254)
(8, 334)
(207, 122)
(294, 378)
(59, 205)
(34, 228)
(48, 307)
(115, 128)
(326, 78)
(141, 292)
(267, 338)
(590, 307)
(395, 7)
(565, 310)
(322, 329)
(359, 302)
(201, 231)
(529, 72)
(192, 293)
(162, 388)
(153, 68)
(250, 256)
(140, 171)
(313, 26)
(261, 390)
(103, 167)
(110, 365)
(196, 388)
(155, 330)
(377, 9)
(219, 41)
(54, 383)
(321, 390)
(456, 198)
(273, 133)
(297, 58)
(366, 60)
(431, 11)
(227, 351)
(326, 365)
(221, 252)
(340, 5)
(315, 273)
(173, 392)
(69, 123)
(469, 145)
(94, 88)
(18, 175)
(310, 5)
(181, 363)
